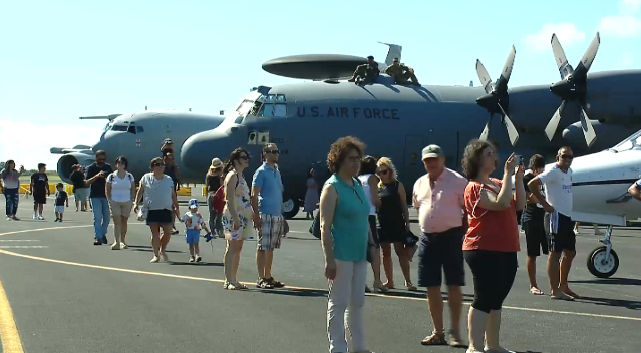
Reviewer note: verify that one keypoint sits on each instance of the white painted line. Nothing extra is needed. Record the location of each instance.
(11, 240)
(22, 247)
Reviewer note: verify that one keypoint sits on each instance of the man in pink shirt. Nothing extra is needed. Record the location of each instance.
(438, 197)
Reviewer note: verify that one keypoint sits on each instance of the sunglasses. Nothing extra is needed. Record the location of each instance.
(158, 165)
(100, 160)
(567, 156)
(382, 172)
(273, 151)
(246, 158)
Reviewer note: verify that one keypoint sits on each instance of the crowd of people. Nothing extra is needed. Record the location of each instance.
(363, 213)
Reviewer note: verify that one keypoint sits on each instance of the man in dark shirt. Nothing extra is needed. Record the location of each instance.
(366, 73)
(39, 188)
(97, 173)
(80, 190)
(533, 224)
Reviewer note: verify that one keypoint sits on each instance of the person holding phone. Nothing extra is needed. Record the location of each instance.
(10, 178)
(96, 177)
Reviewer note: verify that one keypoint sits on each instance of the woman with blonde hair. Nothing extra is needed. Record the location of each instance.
(393, 218)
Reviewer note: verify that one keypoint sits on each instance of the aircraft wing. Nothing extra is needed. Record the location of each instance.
(100, 117)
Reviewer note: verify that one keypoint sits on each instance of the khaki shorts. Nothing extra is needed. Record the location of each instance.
(120, 209)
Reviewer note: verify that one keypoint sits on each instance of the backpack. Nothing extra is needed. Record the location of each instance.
(218, 203)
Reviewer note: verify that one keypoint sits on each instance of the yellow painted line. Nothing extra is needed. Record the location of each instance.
(214, 280)
(8, 330)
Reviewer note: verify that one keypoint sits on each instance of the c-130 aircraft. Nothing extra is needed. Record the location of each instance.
(397, 121)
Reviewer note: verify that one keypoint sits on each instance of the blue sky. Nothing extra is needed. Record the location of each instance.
(64, 59)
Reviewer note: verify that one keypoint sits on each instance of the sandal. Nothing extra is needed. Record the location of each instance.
(410, 286)
(275, 283)
(435, 339)
(264, 284)
(536, 291)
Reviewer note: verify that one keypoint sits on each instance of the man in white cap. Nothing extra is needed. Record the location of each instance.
(438, 197)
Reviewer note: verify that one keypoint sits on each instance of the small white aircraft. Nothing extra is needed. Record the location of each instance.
(600, 183)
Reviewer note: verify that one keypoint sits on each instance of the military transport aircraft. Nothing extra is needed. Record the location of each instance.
(139, 136)
(398, 120)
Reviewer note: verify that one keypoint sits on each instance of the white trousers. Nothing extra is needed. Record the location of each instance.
(345, 305)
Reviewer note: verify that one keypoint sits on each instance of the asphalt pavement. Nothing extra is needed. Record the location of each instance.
(67, 295)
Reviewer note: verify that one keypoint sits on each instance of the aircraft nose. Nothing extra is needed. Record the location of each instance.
(199, 149)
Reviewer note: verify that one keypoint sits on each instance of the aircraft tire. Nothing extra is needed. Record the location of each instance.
(597, 268)
(291, 206)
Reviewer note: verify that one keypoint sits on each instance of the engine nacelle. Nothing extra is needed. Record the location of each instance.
(609, 135)
(65, 162)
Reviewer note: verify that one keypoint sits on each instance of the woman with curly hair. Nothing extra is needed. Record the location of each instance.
(346, 239)
(492, 239)
(237, 214)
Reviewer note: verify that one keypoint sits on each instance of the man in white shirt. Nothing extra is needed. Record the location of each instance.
(558, 222)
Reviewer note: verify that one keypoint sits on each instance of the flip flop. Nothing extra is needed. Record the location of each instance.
(536, 291)
(565, 297)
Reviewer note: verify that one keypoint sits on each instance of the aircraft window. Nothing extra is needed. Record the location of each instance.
(132, 129)
(280, 110)
(239, 119)
(270, 98)
(274, 110)
(119, 128)
(139, 129)
(280, 97)
(634, 141)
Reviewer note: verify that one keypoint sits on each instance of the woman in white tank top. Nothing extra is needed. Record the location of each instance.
(121, 190)
(369, 182)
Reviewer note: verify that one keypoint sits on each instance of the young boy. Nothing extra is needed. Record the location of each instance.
(39, 188)
(61, 199)
(194, 222)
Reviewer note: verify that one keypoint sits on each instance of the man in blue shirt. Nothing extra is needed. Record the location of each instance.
(267, 202)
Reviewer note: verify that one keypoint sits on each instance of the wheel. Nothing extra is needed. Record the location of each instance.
(601, 267)
(291, 208)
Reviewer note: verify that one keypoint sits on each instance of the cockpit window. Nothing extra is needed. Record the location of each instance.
(118, 127)
(139, 129)
(274, 110)
(132, 130)
(632, 142)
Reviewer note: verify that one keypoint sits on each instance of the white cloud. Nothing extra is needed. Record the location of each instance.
(567, 33)
(620, 26)
(626, 24)
(629, 6)
(627, 60)
(28, 143)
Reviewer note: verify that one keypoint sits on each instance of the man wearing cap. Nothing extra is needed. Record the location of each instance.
(267, 202)
(438, 197)
(366, 73)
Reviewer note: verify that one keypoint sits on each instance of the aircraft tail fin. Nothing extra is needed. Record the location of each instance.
(393, 52)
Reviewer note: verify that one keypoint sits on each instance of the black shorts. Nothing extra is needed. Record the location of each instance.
(392, 232)
(372, 227)
(561, 229)
(40, 197)
(160, 218)
(441, 250)
(535, 237)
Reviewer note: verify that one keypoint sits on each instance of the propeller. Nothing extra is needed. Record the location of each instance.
(497, 99)
(573, 87)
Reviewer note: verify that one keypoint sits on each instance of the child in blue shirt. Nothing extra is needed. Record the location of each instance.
(194, 222)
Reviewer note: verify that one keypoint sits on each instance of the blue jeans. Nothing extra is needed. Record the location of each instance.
(11, 197)
(100, 216)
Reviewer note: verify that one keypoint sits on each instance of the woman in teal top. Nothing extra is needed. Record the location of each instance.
(346, 239)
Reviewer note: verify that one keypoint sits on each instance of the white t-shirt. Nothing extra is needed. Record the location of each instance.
(558, 189)
(192, 221)
(368, 194)
(120, 188)
(158, 194)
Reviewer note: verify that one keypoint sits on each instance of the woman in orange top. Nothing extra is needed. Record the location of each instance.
(492, 239)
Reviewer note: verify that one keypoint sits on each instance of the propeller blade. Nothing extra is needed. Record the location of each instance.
(589, 55)
(486, 132)
(553, 124)
(511, 129)
(484, 77)
(588, 129)
(565, 68)
(507, 70)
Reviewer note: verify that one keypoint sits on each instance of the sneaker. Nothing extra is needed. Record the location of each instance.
(192, 259)
(9, 218)
(15, 218)
(154, 259)
(97, 242)
(40, 217)
(115, 246)
(198, 258)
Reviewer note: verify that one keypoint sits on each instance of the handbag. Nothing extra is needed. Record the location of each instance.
(314, 229)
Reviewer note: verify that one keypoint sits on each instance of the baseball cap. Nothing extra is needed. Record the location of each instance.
(193, 203)
(431, 151)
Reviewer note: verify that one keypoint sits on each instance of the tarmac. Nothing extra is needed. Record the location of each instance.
(60, 293)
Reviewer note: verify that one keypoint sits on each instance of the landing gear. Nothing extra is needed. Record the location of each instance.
(603, 261)
(290, 208)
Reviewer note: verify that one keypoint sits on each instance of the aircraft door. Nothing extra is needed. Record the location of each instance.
(412, 164)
